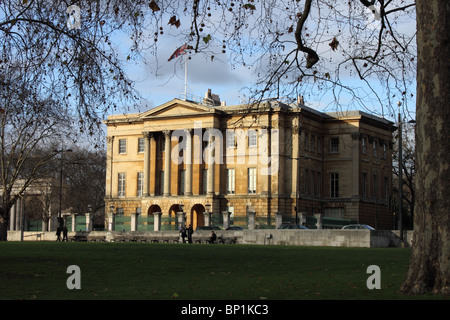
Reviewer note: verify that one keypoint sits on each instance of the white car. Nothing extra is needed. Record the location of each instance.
(357, 226)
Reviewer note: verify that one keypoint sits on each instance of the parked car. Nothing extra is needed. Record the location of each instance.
(291, 226)
(357, 226)
(235, 228)
(208, 228)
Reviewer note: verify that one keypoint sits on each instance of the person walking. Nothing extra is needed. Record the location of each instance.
(58, 234)
(65, 238)
(183, 234)
(190, 231)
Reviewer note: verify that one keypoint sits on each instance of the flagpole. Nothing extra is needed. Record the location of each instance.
(185, 78)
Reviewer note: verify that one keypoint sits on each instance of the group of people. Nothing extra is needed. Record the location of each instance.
(187, 232)
(64, 232)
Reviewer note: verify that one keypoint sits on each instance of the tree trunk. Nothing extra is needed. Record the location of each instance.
(3, 226)
(430, 260)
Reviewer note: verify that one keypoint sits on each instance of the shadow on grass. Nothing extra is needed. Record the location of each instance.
(37, 270)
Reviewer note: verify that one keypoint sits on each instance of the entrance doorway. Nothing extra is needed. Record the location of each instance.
(197, 217)
(172, 222)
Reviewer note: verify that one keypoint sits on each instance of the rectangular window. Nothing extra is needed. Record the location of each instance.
(364, 185)
(140, 184)
(252, 180)
(252, 138)
(230, 181)
(374, 147)
(121, 185)
(161, 184)
(384, 151)
(231, 136)
(306, 141)
(334, 185)
(364, 145)
(182, 182)
(313, 176)
(205, 181)
(141, 145)
(313, 143)
(122, 146)
(334, 145)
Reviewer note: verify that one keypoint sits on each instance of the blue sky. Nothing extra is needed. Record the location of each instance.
(161, 83)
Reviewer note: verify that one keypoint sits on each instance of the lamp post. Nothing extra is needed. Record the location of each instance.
(297, 191)
(400, 173)
(91, 218)
(111, 218)
(181, 217)
(62, 151)
(208, 214)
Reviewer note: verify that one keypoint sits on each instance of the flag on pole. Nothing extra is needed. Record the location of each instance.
(181, 50)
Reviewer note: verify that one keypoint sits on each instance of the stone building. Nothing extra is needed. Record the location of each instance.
(196, 156)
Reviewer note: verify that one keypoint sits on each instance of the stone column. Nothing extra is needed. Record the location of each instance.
(147, 160)
(157, 221)
(226, 219)
(295, 159)
(251, 219)
(356, 136)
(207, 218)
(74, 222)
(152, 166)
(111, 222)
(134, 221)
(279, 219)
(12, 217)
(181, 219)
(188, 159)
(319, 220)
(167, 162)
(210, 173)
(88, 221)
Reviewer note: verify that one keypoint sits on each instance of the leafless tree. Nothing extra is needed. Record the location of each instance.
(29, 122)
(85, 174)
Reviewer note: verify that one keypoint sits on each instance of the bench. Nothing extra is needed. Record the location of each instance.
(169, 239)
(96, 238)
(121, 239)
(78, 238)
(201, 239)
(225, 240)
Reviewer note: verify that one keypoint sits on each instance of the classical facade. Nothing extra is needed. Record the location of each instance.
(267, 158)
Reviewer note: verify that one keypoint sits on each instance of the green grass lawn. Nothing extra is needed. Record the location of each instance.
(37, 270)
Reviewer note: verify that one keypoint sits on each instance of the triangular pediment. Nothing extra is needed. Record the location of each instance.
(176, 108)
